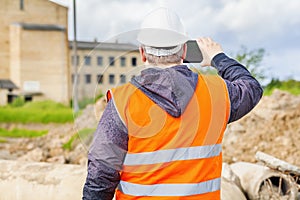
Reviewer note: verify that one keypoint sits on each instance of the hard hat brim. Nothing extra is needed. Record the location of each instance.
(160, 37)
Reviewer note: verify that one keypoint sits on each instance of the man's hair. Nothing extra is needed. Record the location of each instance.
(164, 60)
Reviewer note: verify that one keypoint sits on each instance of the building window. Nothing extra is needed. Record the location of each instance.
(111, 79)
(100, 61)
(111, 61)
(133, 61)
(87, 60)
(21, 4)
(77, 60)
(123, 61)
(122, 78)
(88, 78)
(99, 78)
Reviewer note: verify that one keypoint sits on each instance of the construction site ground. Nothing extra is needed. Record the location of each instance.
(272, 127)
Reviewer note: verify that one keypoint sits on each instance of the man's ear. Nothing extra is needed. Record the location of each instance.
(184, 52)
(142, 53)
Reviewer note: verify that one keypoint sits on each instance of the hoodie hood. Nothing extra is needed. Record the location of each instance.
(171, 88)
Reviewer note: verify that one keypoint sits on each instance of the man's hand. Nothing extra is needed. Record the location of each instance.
(209, 50)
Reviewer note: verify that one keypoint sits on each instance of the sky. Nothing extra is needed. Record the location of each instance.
(273, 25)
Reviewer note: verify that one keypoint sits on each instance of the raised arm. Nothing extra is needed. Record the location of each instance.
(244, 90)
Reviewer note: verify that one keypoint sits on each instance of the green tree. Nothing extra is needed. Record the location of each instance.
(252, 59)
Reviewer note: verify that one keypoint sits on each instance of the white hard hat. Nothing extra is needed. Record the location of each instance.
(162, 28)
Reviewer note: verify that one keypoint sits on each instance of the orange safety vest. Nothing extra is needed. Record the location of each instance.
(169, 157)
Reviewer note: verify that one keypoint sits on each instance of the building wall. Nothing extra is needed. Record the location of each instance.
(92, 89)
(32, 54)
(35, 11)
(3, 97)
(15, 53)
(42, 61)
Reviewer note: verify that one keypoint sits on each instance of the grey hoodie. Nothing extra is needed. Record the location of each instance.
(170, 88)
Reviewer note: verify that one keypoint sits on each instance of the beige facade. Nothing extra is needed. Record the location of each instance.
(3, 97)
(34, 47)
(36, 57)
(103, 66)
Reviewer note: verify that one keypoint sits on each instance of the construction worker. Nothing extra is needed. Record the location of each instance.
(160, 135)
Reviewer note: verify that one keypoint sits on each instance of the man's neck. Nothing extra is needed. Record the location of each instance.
(163, 66)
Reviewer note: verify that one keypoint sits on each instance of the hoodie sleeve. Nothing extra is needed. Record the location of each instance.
(106, 155)
(244, 90)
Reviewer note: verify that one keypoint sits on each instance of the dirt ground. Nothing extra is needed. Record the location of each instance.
(272, 127)
(49, 148)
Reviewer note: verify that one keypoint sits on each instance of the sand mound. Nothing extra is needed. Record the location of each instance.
(272, 127)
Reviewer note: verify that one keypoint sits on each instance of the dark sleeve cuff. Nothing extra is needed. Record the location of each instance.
(215, 62)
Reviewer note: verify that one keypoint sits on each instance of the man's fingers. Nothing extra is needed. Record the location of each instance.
(204, 42)
(209, 49)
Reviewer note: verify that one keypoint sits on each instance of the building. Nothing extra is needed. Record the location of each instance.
(102, 66)
(34, 53)
(36, 58)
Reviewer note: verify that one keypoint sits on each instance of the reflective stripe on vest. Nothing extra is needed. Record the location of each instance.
(172, 157)
(188, 153)
(170, 189)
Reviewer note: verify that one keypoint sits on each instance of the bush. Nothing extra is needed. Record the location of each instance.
(291, 86)
(18, 102)
(48, 105)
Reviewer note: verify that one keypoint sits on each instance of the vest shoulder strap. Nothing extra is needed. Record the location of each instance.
(120, 96)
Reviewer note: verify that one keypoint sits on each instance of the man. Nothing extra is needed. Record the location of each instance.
(160, 135)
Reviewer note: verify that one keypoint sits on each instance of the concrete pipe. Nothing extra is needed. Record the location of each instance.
(260, 182)
(25, 180)
(230, 191)
(231, 188)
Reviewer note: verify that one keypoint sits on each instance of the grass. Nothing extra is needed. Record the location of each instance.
(16, 133)
(81, 135)
(2, 140)
(37, 112)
